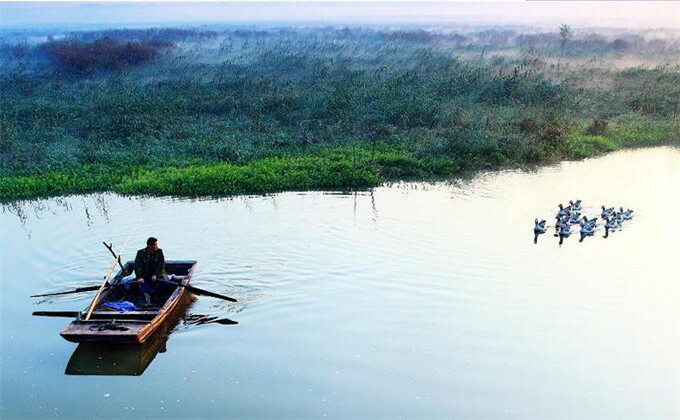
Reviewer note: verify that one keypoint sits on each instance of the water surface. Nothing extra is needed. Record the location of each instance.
(410, 300)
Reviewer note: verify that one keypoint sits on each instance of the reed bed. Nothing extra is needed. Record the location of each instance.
(257, 110)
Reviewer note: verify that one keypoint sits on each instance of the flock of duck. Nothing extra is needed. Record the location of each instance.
(572, 215)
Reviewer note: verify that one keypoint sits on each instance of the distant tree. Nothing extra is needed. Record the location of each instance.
(620, 45)
(104, 54)
(566, 33)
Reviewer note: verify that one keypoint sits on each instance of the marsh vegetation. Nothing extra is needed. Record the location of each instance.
(234, 110)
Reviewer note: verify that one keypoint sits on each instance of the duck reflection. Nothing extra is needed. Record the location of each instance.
(133, 359)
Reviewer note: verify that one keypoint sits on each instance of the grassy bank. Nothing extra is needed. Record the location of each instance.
(586, 142)
(255, 111)
(347, 168)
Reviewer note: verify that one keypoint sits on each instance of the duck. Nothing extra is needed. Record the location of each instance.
(539, 227)
(610, 223)
(561, 222)
(563, 211)
(591, 222)
(618, 217)
(587, 228)
(607, 212)
(627, 215)
(575, 205)
(564, 231)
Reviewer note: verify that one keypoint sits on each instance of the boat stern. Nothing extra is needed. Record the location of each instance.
(104, 331)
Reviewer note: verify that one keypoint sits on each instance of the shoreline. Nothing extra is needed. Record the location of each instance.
(357, 166)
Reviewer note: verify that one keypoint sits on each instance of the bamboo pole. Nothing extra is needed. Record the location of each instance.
(106, 278)
(101, 288)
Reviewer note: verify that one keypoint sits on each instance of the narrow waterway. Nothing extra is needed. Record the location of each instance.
(410, 300)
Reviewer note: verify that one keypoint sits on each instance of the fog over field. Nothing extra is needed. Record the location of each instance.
(245, 97)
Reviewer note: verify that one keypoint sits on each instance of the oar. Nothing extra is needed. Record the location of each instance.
(82, 289)
(85, 289)
(195, 320)
(201, 292)
(67, 314)
(76, 290)
(197, 291)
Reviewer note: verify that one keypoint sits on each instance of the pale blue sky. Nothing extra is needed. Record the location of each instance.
(632, 14)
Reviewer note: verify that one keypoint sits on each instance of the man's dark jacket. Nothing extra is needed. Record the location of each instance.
(148, 264)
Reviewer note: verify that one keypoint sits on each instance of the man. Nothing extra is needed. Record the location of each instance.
(149, 267)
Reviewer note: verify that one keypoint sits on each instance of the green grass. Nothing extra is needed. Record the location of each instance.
(346, 168)
(261, 176)
(621, 133)
(88, 178)
(584, 145)
(638, 133)
(317, 110)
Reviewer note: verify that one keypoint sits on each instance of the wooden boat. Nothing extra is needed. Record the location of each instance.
(113, 326)
(96, 358)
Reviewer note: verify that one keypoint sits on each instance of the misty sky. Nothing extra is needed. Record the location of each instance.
(630, 14)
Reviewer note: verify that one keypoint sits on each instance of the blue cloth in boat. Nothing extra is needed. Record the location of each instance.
(123, 306)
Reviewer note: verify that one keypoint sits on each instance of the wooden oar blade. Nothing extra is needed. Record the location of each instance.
(68, 292)
(66, 314)
(197, 291)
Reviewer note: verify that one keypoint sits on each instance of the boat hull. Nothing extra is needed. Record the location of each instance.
(130, 327)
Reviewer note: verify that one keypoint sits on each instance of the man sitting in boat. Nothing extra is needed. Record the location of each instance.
(149, 267)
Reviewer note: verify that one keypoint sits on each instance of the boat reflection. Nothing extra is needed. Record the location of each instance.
(122, 359)
(133, 359)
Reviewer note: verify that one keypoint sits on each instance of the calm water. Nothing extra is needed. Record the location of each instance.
(411, 300)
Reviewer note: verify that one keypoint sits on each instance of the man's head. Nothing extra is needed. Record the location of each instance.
(152, 244)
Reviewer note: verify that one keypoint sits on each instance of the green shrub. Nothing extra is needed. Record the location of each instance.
(263, 176)
(641, 133)
(584, 145)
